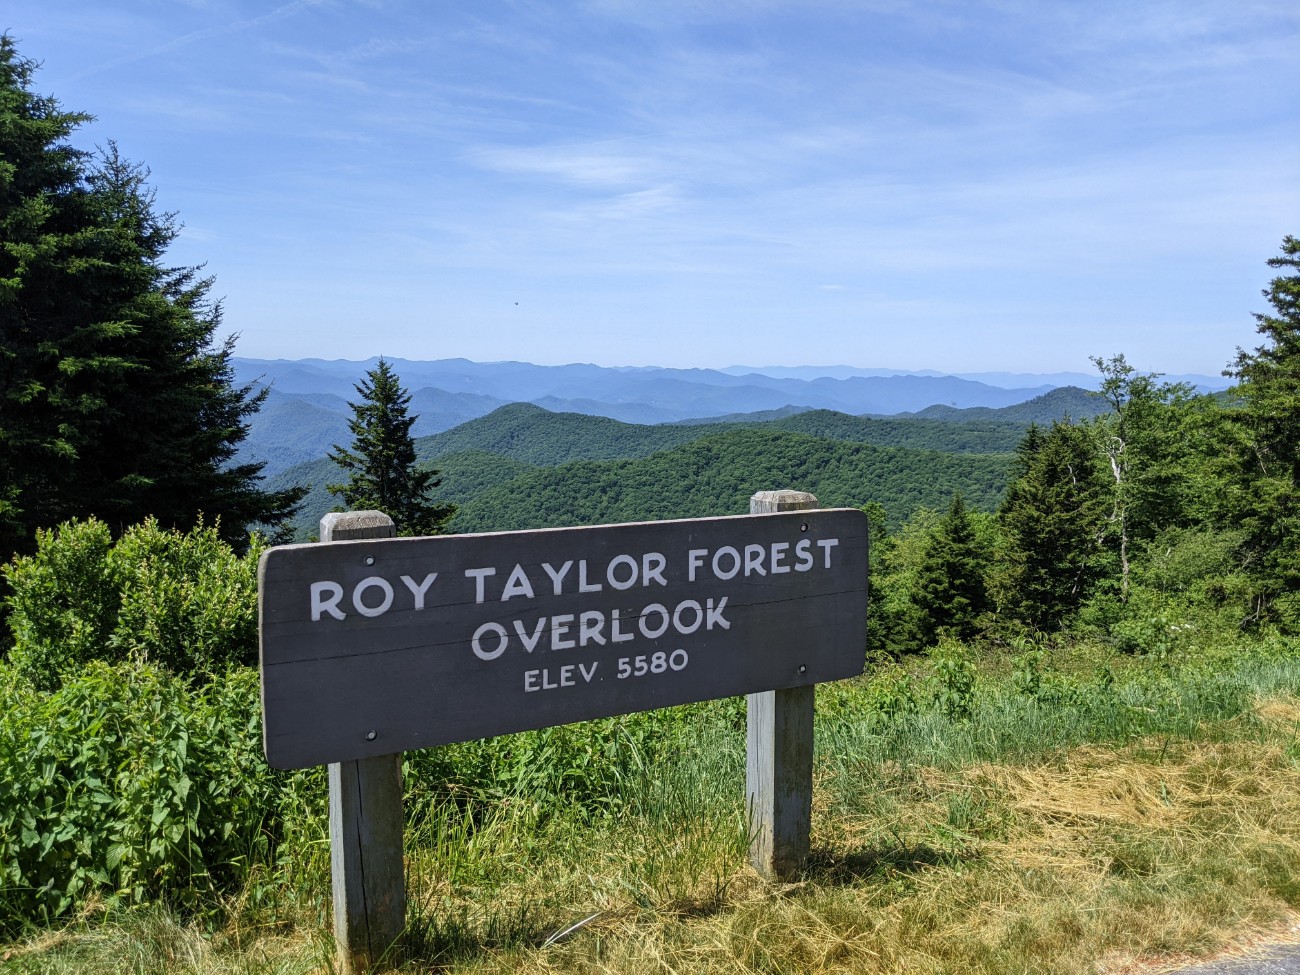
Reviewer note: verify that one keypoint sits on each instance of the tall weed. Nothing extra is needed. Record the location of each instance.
(127, 785)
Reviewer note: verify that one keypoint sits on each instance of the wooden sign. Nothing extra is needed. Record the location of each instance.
(379, 646)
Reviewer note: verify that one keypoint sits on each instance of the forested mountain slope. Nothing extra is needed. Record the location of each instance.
(534, 435)
(1066, 402)
(976, 437)
(518, 466)
(531, 434)
(300, 427)
(464, 476)
(295, 428)
(716, 475)
(524, 467)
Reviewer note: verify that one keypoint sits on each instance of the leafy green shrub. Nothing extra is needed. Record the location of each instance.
(184, 601)
(63, 600)
(1027, 667)
(1149, 635)
(188, 601)
(954, 679)
(128, 784)
(889, 693)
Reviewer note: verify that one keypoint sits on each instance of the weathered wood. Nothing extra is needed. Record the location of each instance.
(779, 749)
(365, 798)
(384, 645)
(369, 882)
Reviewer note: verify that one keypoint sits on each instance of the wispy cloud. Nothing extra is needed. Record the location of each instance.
(231, 27)
(874, 168)
(595, 164)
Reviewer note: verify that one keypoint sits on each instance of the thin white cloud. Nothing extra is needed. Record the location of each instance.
(872, 168)
(279, 13)
(579, 165)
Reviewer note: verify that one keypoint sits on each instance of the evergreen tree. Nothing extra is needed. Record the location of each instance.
(116, 402)
(950, 593)
(381, 464)
(1053, 519)
(1268, 454)
(894, 619)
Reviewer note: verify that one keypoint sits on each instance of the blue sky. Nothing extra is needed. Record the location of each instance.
(964, 186)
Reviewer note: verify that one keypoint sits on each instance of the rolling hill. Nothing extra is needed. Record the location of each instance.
(716, 474)
(496, 467)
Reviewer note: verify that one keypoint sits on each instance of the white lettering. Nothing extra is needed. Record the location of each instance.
(693, 606)
(778, 558)
(583, 585)
(652, 569)
(616, 635)
(372, 582)
(517, 585)
(734, 555)
(559, 628)
(644, 626)
(613, 580)
(827, 544)
(694, 559)
(529, 640)
(713, 615)
(477, 641)
(330, 605)
(804, 550)
(754, 560)
(557, 575)
(419, 591)
(591, 627)
(478, 575)
(540, 680)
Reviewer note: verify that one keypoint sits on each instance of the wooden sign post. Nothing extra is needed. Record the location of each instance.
(366, 867)
(779, 750)
(373, 645)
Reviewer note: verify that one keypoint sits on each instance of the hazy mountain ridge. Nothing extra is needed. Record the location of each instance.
(683, 391)
(1058, 404)
(485, 460)
(307, 411)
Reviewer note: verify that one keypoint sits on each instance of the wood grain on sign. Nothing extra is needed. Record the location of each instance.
(379, 646)
(779, 752)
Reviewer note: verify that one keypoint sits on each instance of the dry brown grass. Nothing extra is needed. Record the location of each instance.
(1097, 860)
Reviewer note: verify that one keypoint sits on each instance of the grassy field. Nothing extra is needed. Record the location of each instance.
(1064, 811)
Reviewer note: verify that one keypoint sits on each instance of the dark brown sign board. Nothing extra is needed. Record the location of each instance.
(379, 646)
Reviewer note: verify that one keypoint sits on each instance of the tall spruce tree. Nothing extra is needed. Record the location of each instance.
(381, 464)
(1268, 455)
(950, 591)
(116, 400)
(1053, 519)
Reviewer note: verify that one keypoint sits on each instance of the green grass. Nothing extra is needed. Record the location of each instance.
(1100, 810)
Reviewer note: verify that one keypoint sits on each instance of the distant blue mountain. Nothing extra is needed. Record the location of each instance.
(307, 410)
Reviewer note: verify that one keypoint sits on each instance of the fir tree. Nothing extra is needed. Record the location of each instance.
(950, 593)
(116, 401)
(1269, 449)
(1052, 518)
(382, 475)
